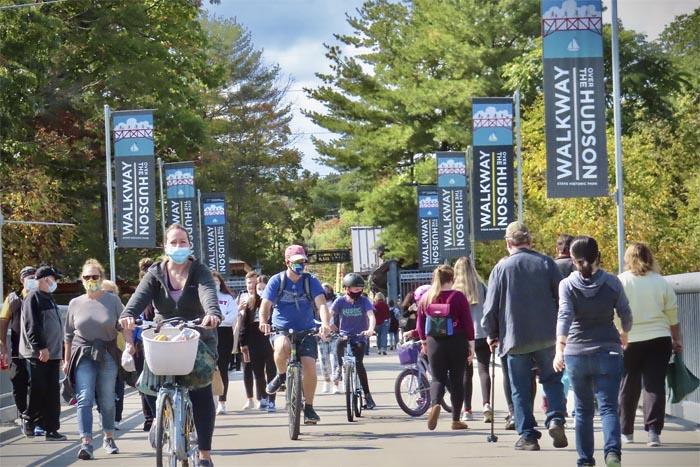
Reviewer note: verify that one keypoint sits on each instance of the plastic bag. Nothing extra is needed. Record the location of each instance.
(128, 362)
(185, 335)
(680, 380)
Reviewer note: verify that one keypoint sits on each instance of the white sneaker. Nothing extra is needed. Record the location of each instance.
(467, 416)
(116, 425)
(336, 389)
(248, 405)
(654, 439)
(627, 439)
(326, 387)
(221, 408)
(488, 413)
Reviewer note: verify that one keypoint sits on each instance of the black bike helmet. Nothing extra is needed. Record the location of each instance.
(353, 280)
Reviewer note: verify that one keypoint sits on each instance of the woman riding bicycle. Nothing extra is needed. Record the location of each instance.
(182, 286)
(353, 314)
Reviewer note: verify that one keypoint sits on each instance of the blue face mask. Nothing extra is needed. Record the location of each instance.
(218, 288)
(298, 268)
(32, 284)
(178, 255)
(52, 287)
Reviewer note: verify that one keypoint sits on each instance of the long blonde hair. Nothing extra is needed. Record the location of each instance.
(441, 275)
(467, 280)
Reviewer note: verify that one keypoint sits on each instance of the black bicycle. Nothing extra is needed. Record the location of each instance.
(351, 380)
(294, 391)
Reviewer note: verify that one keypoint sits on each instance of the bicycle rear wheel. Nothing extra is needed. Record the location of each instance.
(165, 434)
(412, 392)
(293, 395)
(348, 377)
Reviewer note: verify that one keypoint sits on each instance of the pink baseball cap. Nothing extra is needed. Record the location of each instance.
(295, 253)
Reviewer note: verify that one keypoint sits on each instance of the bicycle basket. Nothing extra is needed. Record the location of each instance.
(169, 357)
(408, 353)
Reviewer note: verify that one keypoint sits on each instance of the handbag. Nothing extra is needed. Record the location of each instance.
(680, 380)
(438, 322)
(203, 371)
(217, 384)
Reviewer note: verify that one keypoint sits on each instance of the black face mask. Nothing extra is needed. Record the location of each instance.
(354, 295)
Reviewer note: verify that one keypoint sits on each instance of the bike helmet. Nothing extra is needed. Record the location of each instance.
(420, 291)
(353, 280)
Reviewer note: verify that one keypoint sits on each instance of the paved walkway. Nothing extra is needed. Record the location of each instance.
(384, 437)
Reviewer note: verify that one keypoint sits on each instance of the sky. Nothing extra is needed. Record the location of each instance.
(291, 33)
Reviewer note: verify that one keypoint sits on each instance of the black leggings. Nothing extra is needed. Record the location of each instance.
(483, 355)
(448, 355)
(204, 416)
(225, 346)
(358, 350)
(262, 364)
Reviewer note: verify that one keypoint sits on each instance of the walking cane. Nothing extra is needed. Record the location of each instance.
(493, 438)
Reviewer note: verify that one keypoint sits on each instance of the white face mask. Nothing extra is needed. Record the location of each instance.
(31, 284)
(52, 286)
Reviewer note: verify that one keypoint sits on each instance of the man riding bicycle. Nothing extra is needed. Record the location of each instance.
(291, 295)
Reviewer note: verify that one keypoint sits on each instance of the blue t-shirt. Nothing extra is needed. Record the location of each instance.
(351, 318)
(293, 310)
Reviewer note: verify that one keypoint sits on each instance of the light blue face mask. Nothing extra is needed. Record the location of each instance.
(218, 288)
(178, 255)
(52, 286)
(32, 284)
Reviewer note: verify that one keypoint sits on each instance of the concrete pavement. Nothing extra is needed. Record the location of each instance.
(383, 437)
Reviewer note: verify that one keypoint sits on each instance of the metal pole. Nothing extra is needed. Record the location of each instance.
(162, 198)
(470, 172)
(518, 141)
(619, 194)
(110, 213)
(2, 283)
(199, 220)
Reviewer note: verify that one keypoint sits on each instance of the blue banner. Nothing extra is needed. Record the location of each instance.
(181, 204)
(454, 207)
(429, 254)
(574, 98)
(493, 198)
(215, 235)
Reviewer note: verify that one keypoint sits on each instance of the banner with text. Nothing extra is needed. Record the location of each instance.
(454, 207)
(493, 201)
(135, 178)
(429, 253)
(574, 98)
(215, 235)
(181, 203)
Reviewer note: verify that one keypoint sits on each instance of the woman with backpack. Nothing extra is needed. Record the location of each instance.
(444, 324)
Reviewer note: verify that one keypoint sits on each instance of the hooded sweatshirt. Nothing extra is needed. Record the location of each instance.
(586, 309)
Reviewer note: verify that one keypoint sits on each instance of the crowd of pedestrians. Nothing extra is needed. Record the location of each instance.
(560, 321)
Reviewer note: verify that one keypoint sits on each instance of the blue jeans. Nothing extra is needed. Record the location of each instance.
(520, 369)
(91, 376)
(600, 373)
(382, 333)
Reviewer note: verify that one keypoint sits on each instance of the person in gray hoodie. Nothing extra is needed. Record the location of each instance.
(590, 347)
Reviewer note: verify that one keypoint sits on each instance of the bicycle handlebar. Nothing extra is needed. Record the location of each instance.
(172, 322)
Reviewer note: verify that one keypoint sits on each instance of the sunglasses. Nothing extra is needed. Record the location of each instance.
(95, 277)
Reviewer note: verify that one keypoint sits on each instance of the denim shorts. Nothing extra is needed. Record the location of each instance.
(307, 346)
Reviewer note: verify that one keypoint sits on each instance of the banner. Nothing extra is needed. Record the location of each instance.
(574, 98)
(429, 253)
(135, 178)
(493, 202)
(181, 203)
(215, 235)
(454, 207)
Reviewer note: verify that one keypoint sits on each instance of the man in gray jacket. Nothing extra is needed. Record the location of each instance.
(41, 343)
(520, 318)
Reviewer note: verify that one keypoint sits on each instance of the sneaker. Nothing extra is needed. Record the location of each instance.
(27, 428)
(248, 405)
(39, 431)
(433, 416)
(524, 444)
(54, 436)
(116, 425)
(459, 425)
(612, 459)
(109, 446)
(488, 413)
(205, 463)
(271, 406)
(310, 416)
(628, 439)
(326, 387)
(369, 402)
(467, 416)
(274, 385)
(263, 403)
(336, 389)
(85, 452)
(654, 439)
(221, 408)
(556, 431)
(147, 425)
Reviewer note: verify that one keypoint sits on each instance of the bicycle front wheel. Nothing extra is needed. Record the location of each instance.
(412, 392)
(190, 438)
(357, 392)
(166, 454)
(293, 395)
(348, 377)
